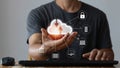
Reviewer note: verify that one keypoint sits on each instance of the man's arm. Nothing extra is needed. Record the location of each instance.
(38, 40)
(35, 42)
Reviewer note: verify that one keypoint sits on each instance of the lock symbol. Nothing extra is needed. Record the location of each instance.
(82, 15)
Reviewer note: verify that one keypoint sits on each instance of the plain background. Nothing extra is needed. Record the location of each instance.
(13, 33)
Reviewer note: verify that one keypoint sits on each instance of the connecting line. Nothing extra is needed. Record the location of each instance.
(76, 28)
(55, 38)
(72, 19)
(55, 45)
(67, 46)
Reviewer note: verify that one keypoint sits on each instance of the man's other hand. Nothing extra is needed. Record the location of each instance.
(100, 55)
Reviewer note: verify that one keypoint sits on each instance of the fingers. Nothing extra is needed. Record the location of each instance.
(86, 55)
(71, 37)
(93, 54)
(110, 58)
(61, 41)
(52, 46)
(55, 43)
(68, 41)
(99, 55)
(44, 35)
(104, 56)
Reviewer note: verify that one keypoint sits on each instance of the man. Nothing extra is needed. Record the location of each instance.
(93, 44)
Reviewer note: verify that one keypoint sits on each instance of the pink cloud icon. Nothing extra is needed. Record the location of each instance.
(58, 28)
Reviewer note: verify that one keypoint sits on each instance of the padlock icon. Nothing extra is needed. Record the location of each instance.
(82, 15)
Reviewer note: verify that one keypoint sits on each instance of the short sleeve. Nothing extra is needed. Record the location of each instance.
(103, 33)
(34, 23)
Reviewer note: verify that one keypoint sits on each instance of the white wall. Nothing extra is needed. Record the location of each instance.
(13, 14)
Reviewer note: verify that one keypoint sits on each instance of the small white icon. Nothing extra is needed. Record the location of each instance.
(86, 29)
(82, 15)
(55, 55)
(41, 49)
(78, 38)
(71, 52)
(82, 42)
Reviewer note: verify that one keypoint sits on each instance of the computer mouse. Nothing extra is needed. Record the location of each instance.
(8, 61)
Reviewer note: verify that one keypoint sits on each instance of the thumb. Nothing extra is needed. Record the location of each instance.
(44, 34)
(86, 55)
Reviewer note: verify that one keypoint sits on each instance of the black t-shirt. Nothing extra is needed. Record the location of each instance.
(93, 31)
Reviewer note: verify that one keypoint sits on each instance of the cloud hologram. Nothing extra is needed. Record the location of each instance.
(58, 27)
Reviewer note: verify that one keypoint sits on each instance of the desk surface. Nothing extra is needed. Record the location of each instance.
(116, 66)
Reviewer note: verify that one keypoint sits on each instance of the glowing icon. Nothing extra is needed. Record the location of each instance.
(82, 42)
(86, 29)
(57, 29)
(55, 55)
(78, 38)
(82, 15)
(71, 52)
(41, 49)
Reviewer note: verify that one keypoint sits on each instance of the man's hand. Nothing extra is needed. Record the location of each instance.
(41, 45)
(102, 54)
(56, 45)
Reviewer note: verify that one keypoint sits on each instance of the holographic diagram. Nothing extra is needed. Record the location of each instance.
(57, 28)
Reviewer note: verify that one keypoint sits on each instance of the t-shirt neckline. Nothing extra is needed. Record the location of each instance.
(58, 7)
